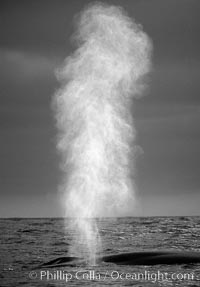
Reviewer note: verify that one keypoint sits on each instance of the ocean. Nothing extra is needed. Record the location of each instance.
(27, 243)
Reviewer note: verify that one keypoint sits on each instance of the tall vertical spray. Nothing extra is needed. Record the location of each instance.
(93, 112)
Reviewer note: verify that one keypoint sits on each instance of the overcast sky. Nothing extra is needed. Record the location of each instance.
(35, 39)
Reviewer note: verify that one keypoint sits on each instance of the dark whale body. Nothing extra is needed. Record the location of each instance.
(153, 258)
(134, 258)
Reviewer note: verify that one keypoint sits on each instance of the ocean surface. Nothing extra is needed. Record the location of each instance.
(27, 243)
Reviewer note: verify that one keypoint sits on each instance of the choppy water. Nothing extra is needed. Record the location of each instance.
(26, 243)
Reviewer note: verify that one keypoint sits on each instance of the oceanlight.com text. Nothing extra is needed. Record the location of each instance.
(113, 275)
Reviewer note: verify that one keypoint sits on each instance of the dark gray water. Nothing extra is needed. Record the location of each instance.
(27, 243)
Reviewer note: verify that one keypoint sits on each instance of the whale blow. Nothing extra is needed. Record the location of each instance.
(94, 119)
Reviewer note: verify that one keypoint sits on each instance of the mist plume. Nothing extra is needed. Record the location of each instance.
(96, 128)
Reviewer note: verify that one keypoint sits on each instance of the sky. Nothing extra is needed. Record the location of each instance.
(35, 39)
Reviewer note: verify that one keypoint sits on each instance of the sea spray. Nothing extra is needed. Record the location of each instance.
(96, 128)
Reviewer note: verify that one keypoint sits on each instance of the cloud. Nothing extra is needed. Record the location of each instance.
(27, 80)
(23, 67)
